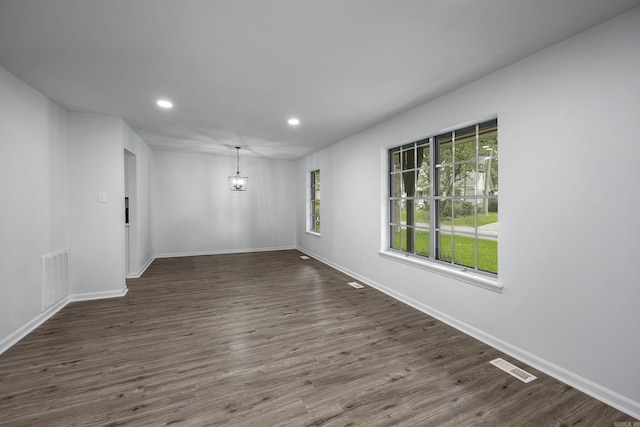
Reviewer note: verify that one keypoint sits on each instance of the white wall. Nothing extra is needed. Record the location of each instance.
(569, 150)
(33, 185)
(194, 212)
(96, 164)
(142, 254)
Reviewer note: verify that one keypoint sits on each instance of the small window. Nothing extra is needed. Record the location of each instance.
(443, 198)
(314, 199)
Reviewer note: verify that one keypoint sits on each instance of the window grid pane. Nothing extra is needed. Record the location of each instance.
(314, 195)
(445, 208)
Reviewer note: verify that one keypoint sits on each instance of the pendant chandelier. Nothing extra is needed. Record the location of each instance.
(238, 182)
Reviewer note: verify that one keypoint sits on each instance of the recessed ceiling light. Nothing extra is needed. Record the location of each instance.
(164, 103)
(293, 121)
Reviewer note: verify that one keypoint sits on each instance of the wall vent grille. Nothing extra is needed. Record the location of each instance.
(55, 278)
(513, 370)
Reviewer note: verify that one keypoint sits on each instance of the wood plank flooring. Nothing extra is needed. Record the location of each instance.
(265, 339)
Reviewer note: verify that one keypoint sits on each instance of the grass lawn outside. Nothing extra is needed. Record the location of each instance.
(462, 248)
(468, 220)
(422, 216)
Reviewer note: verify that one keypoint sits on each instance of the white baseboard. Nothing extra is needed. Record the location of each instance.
(225, 251)
(578, 382)
(200, 253)
(30, 326)
(98, 295)
(23, 331)
(142, 270)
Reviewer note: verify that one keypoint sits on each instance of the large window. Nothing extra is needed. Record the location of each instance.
(443, 198)
(314, 220)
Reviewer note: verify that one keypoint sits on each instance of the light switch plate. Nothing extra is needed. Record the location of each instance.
(102, 197)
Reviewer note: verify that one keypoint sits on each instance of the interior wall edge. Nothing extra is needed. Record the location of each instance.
(140, 272)
(603, 394)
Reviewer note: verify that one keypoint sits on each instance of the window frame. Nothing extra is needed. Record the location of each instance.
(313, 202)
(402, 202)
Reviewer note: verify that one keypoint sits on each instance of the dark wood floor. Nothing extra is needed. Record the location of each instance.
(268, 339)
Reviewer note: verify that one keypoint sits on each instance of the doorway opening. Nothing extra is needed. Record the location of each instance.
(130, 213)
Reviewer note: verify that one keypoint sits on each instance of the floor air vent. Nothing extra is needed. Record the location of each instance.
(304, 257)
(355, 285)
(513, 370)
(55, 278)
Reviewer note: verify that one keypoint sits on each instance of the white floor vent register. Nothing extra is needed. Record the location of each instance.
(513, 370)
(55, 278)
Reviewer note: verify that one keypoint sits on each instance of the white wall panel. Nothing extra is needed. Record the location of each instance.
(194, 212)
(96, 165)
(34, 197)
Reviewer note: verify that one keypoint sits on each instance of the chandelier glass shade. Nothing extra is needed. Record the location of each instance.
(238, 182)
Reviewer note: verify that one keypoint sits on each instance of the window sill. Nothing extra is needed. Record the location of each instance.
(455, 273)
(313, 233)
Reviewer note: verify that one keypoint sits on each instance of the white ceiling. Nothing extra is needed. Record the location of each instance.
(236, 70)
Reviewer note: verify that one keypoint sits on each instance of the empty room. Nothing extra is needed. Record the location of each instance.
(319, 213)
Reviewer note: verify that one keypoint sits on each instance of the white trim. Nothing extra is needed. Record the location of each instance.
(30, 326)
(98, 295)
(220, 252)
(225, 251)
(313, 233)
(310, 226)
(458, 272)
(142, 270)
(452, 272)
(603, 394)
(60, 252)
(384, 199)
